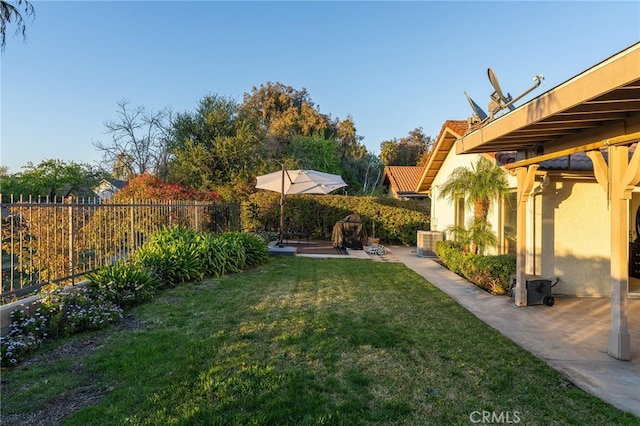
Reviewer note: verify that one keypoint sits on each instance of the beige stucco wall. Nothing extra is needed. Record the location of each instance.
(443, 209)
(572, 237)
(569, 232)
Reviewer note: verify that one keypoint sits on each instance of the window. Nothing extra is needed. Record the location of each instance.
(459, 211)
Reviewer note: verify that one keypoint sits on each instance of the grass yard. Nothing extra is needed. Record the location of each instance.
(301, 341)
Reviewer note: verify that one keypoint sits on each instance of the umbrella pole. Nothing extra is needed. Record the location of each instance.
(280, 243)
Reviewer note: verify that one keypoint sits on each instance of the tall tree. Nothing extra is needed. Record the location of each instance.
(283, 112)
(55, 178)
(314, 152)
(349, 143)
(139, 141)
(15, 12)
(216, 147)
(406, 151)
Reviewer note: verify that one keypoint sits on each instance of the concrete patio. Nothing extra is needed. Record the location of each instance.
(571, 336)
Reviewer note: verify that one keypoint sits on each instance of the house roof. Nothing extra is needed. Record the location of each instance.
(578, 162)
(117, 183)
(450, 132)
(403, 179)
(598, 107)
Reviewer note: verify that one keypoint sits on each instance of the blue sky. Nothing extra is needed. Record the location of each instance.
(391, 66)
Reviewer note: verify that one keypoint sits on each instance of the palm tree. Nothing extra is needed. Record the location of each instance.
(14, 12)
(474, 239)
(479, 185)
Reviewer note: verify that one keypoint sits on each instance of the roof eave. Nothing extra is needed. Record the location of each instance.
(615, 72)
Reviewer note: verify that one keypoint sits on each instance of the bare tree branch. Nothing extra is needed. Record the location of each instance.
(139, 140)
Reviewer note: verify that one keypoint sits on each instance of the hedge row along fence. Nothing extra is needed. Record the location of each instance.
(169, 258)
(47, 241)
(393, 221)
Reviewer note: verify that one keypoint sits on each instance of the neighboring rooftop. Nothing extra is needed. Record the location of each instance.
(403, 180)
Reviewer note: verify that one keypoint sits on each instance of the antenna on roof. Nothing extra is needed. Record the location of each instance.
(478, 114)
(499, 100)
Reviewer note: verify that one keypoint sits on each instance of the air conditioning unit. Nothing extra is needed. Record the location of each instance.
(426, 246)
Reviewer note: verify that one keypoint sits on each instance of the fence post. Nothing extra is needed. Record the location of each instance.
(132, 235)
(197, 208)
(71, 251)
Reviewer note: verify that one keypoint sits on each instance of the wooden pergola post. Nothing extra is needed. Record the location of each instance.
(618, 178)
(526, 178)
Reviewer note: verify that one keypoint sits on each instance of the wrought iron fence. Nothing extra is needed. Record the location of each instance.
(48, 241)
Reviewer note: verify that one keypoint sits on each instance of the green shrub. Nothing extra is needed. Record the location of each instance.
(451, 255)
(231, 247)
(125, 284)
(173, 255)
(213, 259)
(391, 220)
(491, 273)
(255, 248)
(26, 333)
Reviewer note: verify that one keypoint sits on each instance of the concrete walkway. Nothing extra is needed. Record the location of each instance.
(571, 336)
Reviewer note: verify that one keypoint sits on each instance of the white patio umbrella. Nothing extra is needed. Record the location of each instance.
(298, 182)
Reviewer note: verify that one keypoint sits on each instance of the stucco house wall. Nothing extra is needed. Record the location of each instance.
(569, 229)
(443, 210)
(572, 237)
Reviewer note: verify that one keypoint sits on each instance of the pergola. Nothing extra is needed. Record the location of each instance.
(596, 112)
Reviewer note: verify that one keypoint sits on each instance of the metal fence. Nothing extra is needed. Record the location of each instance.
(48, 241)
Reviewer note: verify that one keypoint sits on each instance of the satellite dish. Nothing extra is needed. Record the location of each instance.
(496, 85)
(498, 99)
(477, 111)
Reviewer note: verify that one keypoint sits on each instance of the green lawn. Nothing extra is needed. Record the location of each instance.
(304, 341)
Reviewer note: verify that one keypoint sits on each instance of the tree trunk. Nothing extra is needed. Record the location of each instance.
(481, 210)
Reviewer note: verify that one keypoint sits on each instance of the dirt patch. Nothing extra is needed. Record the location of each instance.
(58, 409)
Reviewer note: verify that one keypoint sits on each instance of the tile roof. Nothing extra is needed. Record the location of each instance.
(574, 162)
(578, 162)
(403, 179)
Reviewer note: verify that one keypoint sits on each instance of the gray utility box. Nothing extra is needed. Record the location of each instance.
(538, 290)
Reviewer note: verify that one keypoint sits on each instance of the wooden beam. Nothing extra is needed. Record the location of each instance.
(528, 179)
(618, 140)
(600, 169)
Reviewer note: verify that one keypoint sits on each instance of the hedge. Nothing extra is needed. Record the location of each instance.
(393, 221)
(491, 273)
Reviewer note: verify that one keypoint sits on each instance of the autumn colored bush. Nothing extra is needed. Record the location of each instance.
(149, 187)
